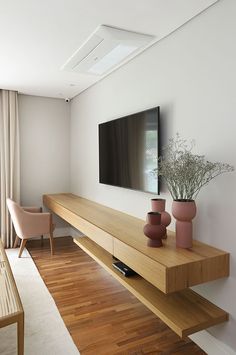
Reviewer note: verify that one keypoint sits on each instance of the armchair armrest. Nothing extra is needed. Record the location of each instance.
(33, 209)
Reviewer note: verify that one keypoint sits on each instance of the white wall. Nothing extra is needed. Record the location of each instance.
(191, 75)
(45, 149)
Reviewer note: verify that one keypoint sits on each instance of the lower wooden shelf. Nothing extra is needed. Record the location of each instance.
(185, 312)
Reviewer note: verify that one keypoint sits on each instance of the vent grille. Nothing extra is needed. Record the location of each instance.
(105, 49)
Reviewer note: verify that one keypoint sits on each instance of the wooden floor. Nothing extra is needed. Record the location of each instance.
(102, 317)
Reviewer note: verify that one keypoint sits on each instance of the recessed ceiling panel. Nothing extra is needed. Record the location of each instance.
(105, 49)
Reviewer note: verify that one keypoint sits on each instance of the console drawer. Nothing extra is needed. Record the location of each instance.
(100, 237)
(148, 268)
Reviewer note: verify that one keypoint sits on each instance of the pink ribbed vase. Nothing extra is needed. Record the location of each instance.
(184, 212)
(158, 205)
(154, 230)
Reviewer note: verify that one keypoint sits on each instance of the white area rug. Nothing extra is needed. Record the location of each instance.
(45, 331)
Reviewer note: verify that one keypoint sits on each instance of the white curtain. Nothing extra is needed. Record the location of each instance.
(9, 161)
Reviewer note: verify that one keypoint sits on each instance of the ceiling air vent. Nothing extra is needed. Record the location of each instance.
(105, 49)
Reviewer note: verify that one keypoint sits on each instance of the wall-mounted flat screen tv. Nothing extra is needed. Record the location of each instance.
(129, 150)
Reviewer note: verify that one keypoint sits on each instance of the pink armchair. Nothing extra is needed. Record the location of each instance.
(30, 222)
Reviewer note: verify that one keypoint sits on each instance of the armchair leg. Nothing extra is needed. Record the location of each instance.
(51, 243)
(41, 240)
(22, 245)
(16, 242)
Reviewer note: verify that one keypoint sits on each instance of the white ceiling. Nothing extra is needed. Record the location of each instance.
(38, 36)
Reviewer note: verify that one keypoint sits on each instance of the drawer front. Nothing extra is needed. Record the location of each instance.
(104, 239)
(100, 237)
(149, 269)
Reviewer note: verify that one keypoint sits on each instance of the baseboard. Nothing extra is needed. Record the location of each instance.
(75, 232)
(62, 232)
(210, 344)
(58, 232)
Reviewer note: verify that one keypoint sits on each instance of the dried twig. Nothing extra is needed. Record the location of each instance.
(186, 173)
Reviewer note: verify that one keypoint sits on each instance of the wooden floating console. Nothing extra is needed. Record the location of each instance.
(185, 311)
(163, 271)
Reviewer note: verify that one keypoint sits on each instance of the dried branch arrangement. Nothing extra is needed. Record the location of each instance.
(186, 173)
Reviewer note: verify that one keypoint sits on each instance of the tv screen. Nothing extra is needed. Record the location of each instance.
(128, 151)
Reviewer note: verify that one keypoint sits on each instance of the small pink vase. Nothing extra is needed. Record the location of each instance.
(158, 205)
(154, 230)
(184, 212)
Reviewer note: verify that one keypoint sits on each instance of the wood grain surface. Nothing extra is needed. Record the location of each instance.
(11, 309)
(177, 268)
(185, 312)
(102, 317)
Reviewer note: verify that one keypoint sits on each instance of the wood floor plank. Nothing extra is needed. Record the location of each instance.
(102, 317)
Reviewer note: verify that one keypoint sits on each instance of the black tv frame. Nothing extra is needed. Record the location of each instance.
(157, 108)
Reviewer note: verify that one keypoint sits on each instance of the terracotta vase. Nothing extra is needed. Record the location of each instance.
(184, 211)
(158, 205)
(154, 230)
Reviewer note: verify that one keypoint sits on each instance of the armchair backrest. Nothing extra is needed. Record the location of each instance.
(17, 216)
